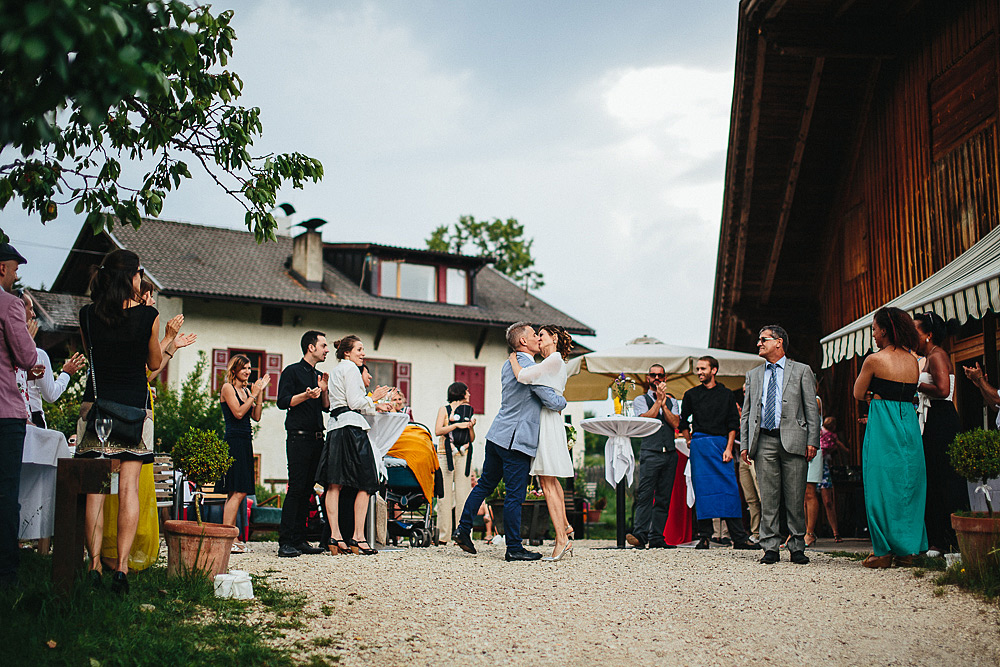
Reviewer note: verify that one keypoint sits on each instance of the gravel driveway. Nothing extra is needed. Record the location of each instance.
(440, 606)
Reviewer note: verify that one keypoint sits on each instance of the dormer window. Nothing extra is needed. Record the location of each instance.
(399, 279)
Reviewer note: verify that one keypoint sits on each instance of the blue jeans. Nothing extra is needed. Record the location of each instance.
(11, 450)
(513, 467)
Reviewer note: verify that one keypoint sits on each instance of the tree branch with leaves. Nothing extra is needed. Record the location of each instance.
(85, 84)
(503, 240)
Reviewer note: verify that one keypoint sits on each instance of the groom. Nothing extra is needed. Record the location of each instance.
(510, 446)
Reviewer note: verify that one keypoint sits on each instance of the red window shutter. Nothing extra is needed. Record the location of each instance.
(220, 359)
(403, 379)
(475, 378)
(272, 366)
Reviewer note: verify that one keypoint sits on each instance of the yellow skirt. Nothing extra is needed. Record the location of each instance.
(146, 546)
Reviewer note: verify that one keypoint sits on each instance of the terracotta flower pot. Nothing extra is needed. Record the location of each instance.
(594, 516)
(204, 547)
(978, 535)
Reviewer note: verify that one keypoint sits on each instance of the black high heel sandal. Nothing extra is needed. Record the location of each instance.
(335, 548)
(358, 549)
(119, 583)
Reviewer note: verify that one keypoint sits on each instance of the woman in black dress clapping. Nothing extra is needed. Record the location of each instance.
(240, 404)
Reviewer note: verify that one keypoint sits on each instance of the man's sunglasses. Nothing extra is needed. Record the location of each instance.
(656, 375)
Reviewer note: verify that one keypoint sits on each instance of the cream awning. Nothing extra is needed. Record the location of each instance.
(968, 286)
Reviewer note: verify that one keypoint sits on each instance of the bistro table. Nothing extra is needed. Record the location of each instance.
(42, 450)
(619, 462)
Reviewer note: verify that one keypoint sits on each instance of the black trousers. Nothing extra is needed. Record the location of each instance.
(652, 497)
(11, 449)
(302, 453)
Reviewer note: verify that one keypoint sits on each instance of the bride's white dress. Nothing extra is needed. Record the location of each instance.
(552, 458)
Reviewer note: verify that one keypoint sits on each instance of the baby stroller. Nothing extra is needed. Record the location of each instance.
(408, 502)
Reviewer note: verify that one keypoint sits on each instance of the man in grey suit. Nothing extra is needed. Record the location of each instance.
(511, 443)
(779, 431)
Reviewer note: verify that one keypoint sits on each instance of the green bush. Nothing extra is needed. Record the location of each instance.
(202, 456)
(194, 406)
(975, 455)
(63, 414)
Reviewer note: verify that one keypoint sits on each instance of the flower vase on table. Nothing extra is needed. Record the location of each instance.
(619, 392)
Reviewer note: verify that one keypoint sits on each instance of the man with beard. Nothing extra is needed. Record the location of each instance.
(709, 421)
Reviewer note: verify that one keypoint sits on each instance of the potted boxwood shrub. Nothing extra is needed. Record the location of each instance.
(975, 455)
(194, 546)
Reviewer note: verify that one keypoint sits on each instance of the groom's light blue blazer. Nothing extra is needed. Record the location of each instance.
(516, 425)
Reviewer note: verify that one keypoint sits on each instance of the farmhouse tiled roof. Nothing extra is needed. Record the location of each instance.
(56, 311)
(189, 259)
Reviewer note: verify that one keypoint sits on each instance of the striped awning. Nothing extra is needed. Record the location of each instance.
(968, 286)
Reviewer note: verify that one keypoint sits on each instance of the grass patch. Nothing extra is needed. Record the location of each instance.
(163, 620)
(850, 555)
(984, 581)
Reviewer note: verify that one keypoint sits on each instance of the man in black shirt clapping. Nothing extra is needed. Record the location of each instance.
(302, 391)
(710, 408)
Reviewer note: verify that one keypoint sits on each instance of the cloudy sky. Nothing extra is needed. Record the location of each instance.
(602, 127)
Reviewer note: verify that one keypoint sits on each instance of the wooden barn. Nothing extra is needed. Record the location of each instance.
(862, 170)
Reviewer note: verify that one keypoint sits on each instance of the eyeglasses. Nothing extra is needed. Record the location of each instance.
(764, 339)
(655, 375)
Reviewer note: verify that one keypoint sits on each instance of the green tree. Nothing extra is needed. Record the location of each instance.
(63, 414)
(87, 83)
(501, 239)
(194, 406)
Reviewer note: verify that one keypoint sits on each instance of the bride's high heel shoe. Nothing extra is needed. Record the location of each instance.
(566, 552)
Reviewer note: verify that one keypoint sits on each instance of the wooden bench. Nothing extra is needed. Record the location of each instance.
(165, 484)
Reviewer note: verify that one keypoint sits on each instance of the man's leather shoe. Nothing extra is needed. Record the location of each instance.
(702, 543)
(747, 544)
(635, 541)
(307, 548)
(522, 554)
(464, 540)
(661, 545)
(800, 557)
(770, 558)
(288, 551)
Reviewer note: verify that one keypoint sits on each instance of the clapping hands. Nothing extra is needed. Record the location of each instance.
(261, 384)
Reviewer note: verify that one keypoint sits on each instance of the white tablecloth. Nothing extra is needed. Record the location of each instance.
(385, 431)
(619, 462)
(42, 450)
(682, 446)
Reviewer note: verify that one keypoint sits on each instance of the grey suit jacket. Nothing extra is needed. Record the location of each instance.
(799, 413)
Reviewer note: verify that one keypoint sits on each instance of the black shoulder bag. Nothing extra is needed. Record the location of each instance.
(126, 420)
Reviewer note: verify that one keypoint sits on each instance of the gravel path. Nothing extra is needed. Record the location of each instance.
(440, 606)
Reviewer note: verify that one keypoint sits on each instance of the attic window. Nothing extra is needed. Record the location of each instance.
(272, 316)
(422, 282)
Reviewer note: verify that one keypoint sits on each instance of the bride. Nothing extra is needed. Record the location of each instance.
(552, 459)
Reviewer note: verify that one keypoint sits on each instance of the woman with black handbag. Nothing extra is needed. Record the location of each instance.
(120, 334)
(456, 426)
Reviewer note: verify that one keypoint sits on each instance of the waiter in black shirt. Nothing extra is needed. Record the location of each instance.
(710, 409)
(302, 391)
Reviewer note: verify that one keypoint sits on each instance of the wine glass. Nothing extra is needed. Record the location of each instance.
(103, 425)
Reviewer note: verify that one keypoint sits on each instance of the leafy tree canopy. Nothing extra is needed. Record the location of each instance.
(502, 239)
(87, 83)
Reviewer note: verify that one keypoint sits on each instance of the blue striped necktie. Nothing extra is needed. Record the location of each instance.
(770, 402)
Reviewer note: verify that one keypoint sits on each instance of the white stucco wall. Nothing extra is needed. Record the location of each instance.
(433, 349)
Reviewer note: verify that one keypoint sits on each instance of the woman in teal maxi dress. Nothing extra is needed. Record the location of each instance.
(893, 456)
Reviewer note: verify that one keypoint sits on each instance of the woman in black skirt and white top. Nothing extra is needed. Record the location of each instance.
(122, 334)
(240, 404)
(347, 458)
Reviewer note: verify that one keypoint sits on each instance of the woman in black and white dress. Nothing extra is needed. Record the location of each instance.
(347, 458)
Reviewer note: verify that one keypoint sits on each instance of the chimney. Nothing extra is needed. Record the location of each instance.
(307, 254)
(283, 220)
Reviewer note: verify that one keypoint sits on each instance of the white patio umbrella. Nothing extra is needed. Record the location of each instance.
(591, 374)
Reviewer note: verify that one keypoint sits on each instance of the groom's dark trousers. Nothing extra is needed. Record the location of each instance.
(513, 467)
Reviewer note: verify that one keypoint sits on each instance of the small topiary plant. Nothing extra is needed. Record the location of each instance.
(203, 458)
(975, 455)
